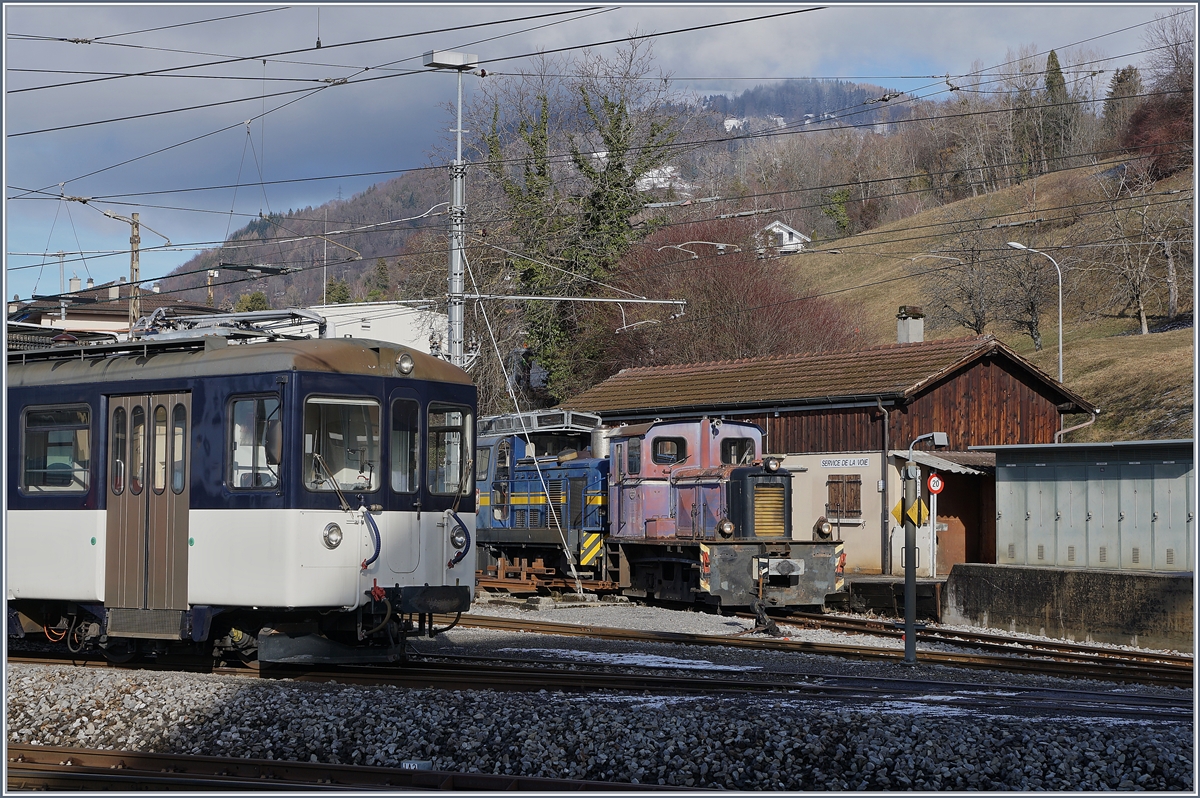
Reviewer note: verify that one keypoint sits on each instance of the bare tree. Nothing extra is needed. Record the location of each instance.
(965, 287)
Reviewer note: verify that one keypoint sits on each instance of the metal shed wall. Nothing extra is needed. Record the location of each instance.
(1128, 507)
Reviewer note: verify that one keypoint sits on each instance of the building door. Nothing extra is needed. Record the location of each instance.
(147, 516)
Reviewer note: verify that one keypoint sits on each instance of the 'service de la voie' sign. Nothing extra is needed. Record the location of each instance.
(846, 462)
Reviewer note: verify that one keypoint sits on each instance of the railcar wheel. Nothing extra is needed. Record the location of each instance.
(118, 653)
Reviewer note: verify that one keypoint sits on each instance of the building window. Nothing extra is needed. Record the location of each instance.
(634, 463)
(669, 451)
(845, 496)
(341, 444)
(255, 443)
(57, 450)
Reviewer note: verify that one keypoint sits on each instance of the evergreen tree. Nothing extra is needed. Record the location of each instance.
(1059, 116)
(1122, 99)
(254, 301)
(337, 292)
(379, 283)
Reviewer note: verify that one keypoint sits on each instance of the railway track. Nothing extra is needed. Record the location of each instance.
(1134, 670)
(1059, 649)
(38, 767)
(458, 672)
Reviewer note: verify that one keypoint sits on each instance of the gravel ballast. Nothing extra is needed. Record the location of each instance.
(771, 742)
(728, 742)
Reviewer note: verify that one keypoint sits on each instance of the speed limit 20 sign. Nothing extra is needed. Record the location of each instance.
(935, 484)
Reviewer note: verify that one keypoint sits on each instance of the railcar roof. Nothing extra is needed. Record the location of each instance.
(211, 357)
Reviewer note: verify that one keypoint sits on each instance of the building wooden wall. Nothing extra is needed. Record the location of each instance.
(989, 403)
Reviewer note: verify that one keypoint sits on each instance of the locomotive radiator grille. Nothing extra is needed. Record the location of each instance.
(768, 511)
(554, 500)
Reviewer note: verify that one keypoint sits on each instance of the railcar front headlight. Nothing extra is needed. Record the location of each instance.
(332, 536)
(458, 537)
(725, 527)
(771, 464)
(404, 363)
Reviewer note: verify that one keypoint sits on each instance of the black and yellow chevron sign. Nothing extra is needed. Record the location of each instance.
(590, 547)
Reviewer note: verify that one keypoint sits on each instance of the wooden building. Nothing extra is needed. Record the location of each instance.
(849, 417)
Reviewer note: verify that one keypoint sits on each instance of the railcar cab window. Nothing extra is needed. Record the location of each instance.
(57, 449)
(669, 451)
(633, 462)
(341, 444)
(255, 443)
(737, 451)
(450, 437)
(406, 436)
(483, 459)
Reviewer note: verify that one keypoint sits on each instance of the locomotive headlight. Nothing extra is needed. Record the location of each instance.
(404, 363)
(332, 536)
(725, 527)
(458, 537)
(771, 464)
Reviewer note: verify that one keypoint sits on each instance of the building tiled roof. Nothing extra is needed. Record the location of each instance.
(897, 371)
(97, 303)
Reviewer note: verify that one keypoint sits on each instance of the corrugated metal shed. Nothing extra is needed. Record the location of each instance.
(1122, 505)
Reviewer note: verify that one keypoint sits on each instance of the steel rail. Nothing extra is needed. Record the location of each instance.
(40, 767)
(1134, 672)
(982, 640)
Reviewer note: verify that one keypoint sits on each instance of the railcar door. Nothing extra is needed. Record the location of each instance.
(147, 516)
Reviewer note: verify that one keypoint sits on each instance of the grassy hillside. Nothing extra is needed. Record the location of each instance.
(1142, 383)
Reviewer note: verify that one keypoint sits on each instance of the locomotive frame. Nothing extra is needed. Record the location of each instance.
(226, 488)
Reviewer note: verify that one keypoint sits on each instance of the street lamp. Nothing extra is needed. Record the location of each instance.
(459, 62)
(1058, 269)
(911, 475)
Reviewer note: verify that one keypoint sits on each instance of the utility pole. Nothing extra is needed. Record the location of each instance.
(212, 273)
(460, 62)
(912, 474)
(325, 259)
(135, 299)
(135, 240)
(62, 275)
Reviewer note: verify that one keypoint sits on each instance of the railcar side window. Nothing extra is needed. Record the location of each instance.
(449, 449)
(668, 451)
(118, 457)
(737, 451)
(341, 444)
(57, 449)
(255, 439)
(635, 456)
(405, 439)
(160, 449)
(137, 449)
(178, 448)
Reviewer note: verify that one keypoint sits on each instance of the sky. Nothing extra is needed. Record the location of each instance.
(392, 113)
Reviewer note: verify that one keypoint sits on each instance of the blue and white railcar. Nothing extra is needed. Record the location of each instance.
(237, 491)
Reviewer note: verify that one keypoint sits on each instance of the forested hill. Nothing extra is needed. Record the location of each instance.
(795, 100)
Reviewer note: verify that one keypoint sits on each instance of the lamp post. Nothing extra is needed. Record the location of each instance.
(1058, 269)
(459, 62)
(911, 475)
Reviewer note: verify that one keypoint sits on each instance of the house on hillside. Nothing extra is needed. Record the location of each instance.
(97, 308)
(845, 421)
(783, 239)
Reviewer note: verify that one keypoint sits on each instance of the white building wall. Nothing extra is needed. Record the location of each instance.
(393, 322)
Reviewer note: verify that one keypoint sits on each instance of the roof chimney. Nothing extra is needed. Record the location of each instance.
(114, 290)
(910, 325)
(156, 288)
(91, 283)
(74, 284)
